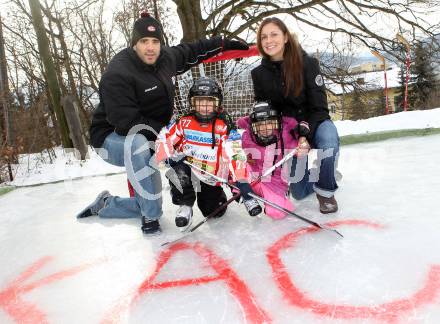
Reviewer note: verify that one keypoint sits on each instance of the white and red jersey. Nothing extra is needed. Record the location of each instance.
(214, 147)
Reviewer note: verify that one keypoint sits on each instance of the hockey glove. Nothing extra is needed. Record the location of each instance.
(300, 130)
(229, 44)
(245, 188)
(234, 192)
(303, 128)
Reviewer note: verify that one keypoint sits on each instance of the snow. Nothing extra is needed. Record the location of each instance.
(40, 168)
(417, 119)
(242, 269)
(37, 168)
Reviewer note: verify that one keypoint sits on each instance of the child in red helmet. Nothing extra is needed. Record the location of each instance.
(205, 137)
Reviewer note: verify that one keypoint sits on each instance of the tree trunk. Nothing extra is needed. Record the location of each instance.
(70, 106)
(56, 58)
(4, 101)
(190, 15)
(67, 66)
(51, 76)
(5, 131)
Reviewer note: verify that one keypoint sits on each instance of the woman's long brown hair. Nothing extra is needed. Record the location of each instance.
(292, 57)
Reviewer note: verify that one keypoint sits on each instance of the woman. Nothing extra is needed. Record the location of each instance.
(291, 80)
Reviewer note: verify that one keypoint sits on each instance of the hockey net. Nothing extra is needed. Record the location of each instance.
(232, 69)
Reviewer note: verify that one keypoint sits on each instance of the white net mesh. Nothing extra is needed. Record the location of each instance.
(233, 75)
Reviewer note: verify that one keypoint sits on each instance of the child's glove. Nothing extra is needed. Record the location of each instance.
(175, 159)
(245, 189)
(234, 192)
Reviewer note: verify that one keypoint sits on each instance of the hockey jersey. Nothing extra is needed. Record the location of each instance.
(214, 147)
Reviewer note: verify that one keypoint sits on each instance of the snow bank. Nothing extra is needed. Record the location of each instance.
(41, 168)
(403, 120)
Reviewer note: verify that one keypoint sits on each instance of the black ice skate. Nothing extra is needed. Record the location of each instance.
(150, 226)
(253, 207)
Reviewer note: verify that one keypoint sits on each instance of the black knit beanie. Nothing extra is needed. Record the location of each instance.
(146, 26)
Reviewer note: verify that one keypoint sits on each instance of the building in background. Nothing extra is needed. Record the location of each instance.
(372, 66)
(362, 94)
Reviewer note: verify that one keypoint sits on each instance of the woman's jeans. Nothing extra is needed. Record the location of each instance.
(320, 179)
(133, 152)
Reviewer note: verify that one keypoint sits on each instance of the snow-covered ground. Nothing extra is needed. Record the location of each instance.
(42, 167)
(416, 119)
(236, 269)
(38, 168)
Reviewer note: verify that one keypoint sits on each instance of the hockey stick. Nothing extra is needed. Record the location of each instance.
(221, 207)
(266, 173)
(291, 213)
(267, 201)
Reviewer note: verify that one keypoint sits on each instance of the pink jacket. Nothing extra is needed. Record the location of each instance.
(260, 158)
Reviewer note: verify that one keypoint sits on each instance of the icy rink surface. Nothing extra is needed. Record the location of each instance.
(237, 269)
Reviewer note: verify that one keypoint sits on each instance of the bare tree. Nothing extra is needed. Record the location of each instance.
(130, 11)
(49, 67)
(5, 122)
(6, 140)
(345, 25)
(358, 20)
(82, 41)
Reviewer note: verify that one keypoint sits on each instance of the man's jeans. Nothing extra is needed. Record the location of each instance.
(322, 178)
(145, 179)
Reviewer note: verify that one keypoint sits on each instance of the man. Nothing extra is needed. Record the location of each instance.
(137, 90)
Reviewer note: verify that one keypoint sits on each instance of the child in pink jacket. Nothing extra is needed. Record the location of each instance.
(265, 140)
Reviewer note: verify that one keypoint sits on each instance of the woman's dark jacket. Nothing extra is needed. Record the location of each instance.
(310, 105)
(133, 93)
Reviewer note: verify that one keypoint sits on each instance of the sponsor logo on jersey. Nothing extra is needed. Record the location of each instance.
(236, 145)
(200, 153)
(234, 136)
(239, 157)
(200, 137)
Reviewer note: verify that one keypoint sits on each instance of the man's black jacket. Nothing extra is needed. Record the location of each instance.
(133, 93)
(310, 105)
